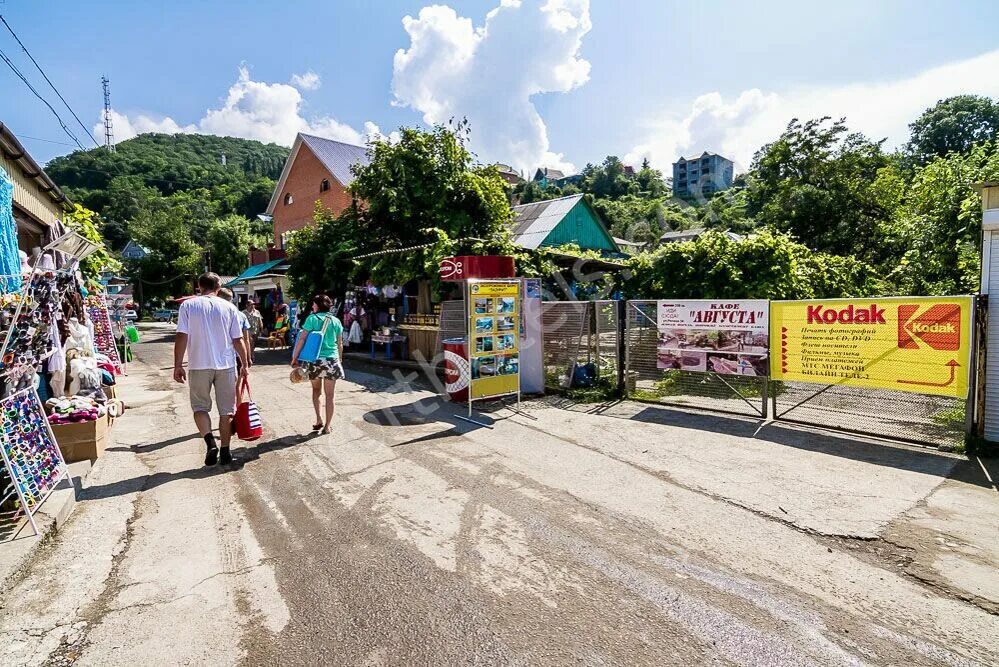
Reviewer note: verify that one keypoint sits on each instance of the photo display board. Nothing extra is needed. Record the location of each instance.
(30, 452)
(97, 308)
(918, 344)
(494, 337)
(729, 337)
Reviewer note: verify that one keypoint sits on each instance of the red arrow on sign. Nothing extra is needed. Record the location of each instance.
(953, 374)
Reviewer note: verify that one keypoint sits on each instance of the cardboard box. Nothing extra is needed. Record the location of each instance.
(83, 440)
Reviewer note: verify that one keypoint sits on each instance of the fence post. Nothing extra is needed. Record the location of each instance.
(622, 327)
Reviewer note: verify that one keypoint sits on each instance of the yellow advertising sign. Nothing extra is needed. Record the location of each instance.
(494, 337)
(918, 344)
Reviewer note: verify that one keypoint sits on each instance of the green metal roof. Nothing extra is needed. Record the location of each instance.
(255, 271)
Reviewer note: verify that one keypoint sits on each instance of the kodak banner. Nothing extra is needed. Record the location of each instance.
(918, 344)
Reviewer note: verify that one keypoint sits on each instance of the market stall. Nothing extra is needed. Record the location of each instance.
(52, 378)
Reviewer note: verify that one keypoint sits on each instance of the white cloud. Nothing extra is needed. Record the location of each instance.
(126, 128)
(268, 112)
(488, 73)
(737, 128)
(308, 81)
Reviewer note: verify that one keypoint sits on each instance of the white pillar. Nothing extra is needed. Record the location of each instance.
(990, 285)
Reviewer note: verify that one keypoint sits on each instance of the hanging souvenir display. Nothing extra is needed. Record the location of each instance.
(30, 453)
(27, 318)
(104, 339)
(10, 263)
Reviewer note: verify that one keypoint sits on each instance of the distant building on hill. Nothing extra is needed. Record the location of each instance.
(546, 176)
(508, 173)
(703, 175)
(133, 250)
(317, 169)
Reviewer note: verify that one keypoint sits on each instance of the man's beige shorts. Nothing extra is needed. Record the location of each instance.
(201, 383)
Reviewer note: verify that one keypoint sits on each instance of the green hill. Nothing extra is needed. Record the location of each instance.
(225, 174)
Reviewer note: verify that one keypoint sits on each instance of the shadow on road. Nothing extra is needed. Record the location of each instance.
(241, 456)
(902, 457)
(152, 447)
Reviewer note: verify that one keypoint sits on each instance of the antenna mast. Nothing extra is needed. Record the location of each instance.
(108, 130)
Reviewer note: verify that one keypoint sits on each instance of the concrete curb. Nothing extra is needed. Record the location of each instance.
(16, 555)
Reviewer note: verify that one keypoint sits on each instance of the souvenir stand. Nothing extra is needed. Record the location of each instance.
(29, 309)
(104, 335)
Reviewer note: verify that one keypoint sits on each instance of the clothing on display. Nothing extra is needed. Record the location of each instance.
(10, 262)
(28, 317)
(75, 409)
(103, 334)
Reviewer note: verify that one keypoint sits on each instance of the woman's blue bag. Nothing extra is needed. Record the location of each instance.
(313, 343)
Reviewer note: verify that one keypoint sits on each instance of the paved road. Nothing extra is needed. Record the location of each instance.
(411, 538)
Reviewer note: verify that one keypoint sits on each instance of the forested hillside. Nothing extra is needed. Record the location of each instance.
(191, 199)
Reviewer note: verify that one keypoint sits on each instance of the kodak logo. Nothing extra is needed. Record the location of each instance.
(849, 315)
(939, 327)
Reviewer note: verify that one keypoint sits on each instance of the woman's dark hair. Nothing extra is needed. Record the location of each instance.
(322, 302)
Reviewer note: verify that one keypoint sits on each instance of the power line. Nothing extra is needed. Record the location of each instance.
(48, 141)
(3, 56)
(45, 76)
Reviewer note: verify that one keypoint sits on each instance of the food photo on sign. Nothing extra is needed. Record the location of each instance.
(728, 337)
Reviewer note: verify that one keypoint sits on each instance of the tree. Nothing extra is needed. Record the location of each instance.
(173, 260)
(816, 182)
(86, 223)
(210, 176)
(766, 265)
(936, 227)
(321, 255)
(650, 181)
(953, 125)
(426, 189)
(228, 241)
(608, 181)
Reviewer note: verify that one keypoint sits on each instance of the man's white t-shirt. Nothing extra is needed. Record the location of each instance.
(211, 324)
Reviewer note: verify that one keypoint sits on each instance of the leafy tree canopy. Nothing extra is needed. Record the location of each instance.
(426, 188)
(423, 190)
(953, 125)
(766, 265)
(816, 182)
(86, 223)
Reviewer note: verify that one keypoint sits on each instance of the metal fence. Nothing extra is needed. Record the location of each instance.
(899, 415)
(645, 381)
(580, 332)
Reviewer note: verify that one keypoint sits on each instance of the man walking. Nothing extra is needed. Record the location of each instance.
(210, 332)
(244, 324)
(256, 321)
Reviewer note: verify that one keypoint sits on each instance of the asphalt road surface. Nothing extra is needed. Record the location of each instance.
(409, 537)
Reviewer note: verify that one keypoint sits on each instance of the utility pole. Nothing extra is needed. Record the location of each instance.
(108, 130)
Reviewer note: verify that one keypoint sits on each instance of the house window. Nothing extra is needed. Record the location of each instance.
(325, 185)
(288, 199)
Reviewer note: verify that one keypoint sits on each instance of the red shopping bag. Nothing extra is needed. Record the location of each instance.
(247, 419)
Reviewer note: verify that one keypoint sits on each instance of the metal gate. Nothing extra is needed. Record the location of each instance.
(645, 381)
(885, 413)
(580, 332)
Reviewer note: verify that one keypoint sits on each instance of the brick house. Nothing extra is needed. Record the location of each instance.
(316, 170)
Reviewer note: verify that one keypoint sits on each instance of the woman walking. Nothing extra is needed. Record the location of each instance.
(328, 366)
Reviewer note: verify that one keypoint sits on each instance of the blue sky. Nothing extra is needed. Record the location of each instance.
(559, 82)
